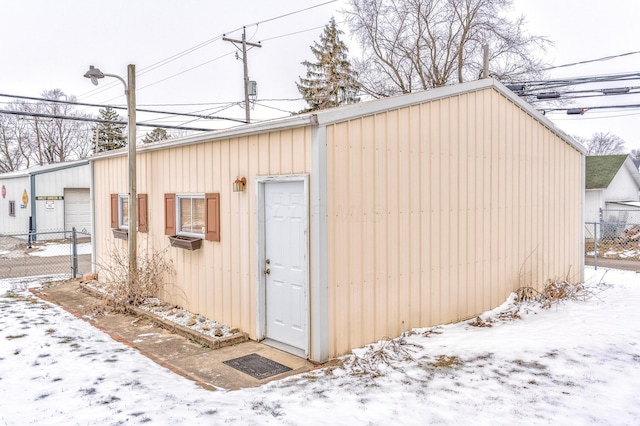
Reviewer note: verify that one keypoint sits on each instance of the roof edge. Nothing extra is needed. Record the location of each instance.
(214, 135)
(46, 168)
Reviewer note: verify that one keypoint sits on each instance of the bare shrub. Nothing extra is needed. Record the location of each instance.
(145, 282)
(384, 352)
(554, 292)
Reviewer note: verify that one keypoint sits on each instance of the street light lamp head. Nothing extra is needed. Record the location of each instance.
(94, 74)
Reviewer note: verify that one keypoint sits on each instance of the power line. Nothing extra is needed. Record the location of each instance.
(206, 117)
(185, 52)
(604, 58)
(97, 120)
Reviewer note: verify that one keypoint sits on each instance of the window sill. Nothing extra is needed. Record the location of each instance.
(186, 243)
(122, 234)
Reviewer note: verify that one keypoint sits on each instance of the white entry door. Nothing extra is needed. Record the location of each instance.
(285, 265)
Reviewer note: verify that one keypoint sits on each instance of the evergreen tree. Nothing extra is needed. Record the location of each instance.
(155, 135)
(330, 81)
(109, 135)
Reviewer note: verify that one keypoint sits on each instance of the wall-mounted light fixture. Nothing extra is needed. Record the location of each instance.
(238, 185)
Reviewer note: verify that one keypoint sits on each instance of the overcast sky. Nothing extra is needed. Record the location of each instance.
(50, 44)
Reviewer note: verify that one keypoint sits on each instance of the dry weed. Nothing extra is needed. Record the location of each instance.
(385, 352)
(145, 282)
(554, 292)
(479, 322)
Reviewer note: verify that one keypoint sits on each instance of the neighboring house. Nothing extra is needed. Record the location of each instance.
(612, 184)
(54, 197)
(356, 223)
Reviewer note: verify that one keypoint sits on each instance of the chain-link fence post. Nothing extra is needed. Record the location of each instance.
(595, 245)
(74, 253)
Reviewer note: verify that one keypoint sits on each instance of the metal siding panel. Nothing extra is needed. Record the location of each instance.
(444, 207)
(300, 159)
(414, 154)
(331, 240)
(392, 221)
(464, 240)
(286, 151)
(380, 256)
(341, 213)
(404, 186)
(503, 219)
(425, 214)
(369, 229)
(454, 207)
(435, 215)
(355, 222)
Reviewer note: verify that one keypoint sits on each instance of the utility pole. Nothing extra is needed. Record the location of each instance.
(246, 69)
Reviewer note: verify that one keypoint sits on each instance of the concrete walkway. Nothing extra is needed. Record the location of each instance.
(175, 352)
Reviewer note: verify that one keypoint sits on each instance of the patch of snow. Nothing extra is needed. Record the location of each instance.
(58, 249)
(574, 364)
(185, 318)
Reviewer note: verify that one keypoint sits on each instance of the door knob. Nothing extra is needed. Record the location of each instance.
(267, 271)
(267, 261)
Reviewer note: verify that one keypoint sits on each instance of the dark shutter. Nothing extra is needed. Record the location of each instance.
(114, 211)
(142, 213)
(169, 214)
(212, 214)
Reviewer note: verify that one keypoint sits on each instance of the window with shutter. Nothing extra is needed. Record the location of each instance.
(114, 211)
(142, 213)
(212, 214)
(169, 214)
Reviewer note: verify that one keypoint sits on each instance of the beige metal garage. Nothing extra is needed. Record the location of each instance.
(360, 222)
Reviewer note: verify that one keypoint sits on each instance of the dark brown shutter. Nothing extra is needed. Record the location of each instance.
(169, 214)
(142, 213)
(212, 214)
(114, 211)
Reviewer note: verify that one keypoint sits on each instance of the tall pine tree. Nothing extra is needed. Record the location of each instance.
(330, 81)
(109, 135)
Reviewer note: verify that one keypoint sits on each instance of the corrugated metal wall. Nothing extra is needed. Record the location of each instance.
(438, 211)
(218, 280)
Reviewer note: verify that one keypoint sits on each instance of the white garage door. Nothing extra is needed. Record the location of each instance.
(77, 210)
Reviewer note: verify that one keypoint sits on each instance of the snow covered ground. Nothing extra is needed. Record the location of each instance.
(577, 363)
(46, 249)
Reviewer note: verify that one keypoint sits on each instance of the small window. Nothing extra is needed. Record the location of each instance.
(120, 212)
(123, 211)
(191, 215)
(12, 208)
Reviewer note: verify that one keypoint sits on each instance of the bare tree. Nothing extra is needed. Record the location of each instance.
(601, 143)
(15, 147)
(42, 135)
(411, 45)
(62, 140)
(10, 158)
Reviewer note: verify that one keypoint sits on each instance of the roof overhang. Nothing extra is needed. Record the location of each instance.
(47, 168)
(296, 121)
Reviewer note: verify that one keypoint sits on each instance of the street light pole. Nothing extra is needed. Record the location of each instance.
(133, 192)
(130, 91)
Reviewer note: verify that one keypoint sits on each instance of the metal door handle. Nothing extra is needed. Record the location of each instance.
(267, 271)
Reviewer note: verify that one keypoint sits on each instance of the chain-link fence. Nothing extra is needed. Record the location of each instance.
(56, 253)
(619, 240)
